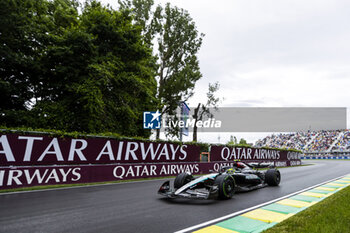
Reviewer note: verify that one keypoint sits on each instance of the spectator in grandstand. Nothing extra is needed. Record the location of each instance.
(320, 141)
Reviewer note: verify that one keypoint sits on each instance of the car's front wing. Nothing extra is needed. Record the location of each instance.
(212, 193)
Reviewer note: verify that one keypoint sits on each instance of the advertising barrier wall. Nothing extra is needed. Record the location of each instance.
(280, 158)
(19, 150)
(30, 160)
(16, 177)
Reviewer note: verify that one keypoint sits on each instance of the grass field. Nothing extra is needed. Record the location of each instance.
(332, 215)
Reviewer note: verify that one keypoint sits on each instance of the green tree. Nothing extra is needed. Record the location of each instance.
(127, 70)
(177, 41)
(242, 141)
(203, 110)
(27, 29)
(90, 72)
(233, 141)
(22, 37)
(105, 73)
(143, 17)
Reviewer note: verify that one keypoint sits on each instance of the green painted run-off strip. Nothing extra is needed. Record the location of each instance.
(247, 224)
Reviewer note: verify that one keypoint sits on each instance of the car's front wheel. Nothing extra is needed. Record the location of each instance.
(226, 185)
(182, 179)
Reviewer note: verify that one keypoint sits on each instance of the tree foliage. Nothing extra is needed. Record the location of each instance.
(89, 72)
(242, 142)
(233, 141)
(174, 34)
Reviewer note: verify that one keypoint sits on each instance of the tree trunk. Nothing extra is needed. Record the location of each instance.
(195, 116)
(157, 134)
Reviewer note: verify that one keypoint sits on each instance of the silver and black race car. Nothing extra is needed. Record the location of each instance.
(240, 177)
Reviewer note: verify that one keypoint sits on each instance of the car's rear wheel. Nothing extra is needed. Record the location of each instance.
(182, 179)
(226, 185)
(273, 177)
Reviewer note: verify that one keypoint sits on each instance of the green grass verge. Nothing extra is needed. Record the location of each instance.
(330, 215)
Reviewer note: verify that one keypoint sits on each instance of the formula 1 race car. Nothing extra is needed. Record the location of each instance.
(240, 177)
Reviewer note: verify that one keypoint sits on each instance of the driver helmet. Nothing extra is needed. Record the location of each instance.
(230, 171)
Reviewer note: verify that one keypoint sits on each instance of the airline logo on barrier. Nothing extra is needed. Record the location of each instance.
(48, 175)
(293, 155)
(232, 153)
(41, 149)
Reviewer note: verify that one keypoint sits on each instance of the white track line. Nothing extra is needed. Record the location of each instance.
(252, 208)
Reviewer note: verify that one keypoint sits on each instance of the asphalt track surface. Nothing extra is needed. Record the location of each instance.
(135, 207)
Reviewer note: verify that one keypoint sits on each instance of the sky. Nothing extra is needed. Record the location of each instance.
(272, 53)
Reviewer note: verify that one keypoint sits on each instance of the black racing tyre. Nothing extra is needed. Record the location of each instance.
(182, 179)
(226, 185)
(273, 177)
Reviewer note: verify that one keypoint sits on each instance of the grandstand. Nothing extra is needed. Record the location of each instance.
(335, 142)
